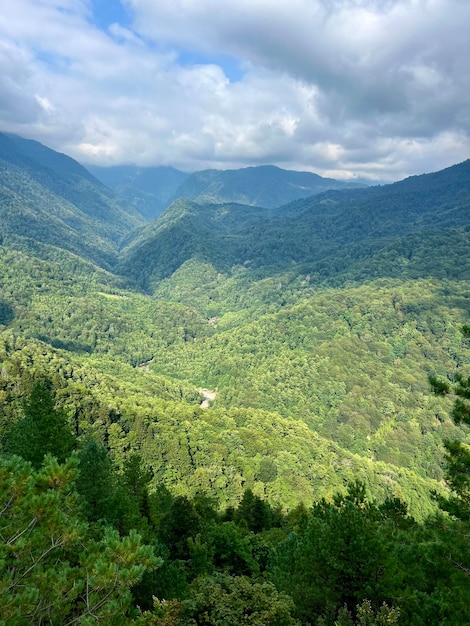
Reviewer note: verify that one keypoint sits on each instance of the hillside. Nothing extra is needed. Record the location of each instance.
(49, 197)
(271, 307)
(263, 186)
(377, 272)
(395, 230)
(226, 415)
(149, 189)
(300, 394)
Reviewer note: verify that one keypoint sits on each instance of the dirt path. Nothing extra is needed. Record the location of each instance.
(146, 365)
(207, 397)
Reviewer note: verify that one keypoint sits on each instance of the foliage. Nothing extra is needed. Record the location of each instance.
(216, 451)
(366, 616)
(458, 453)
(223, 600)
(338, 560)
(44, 429)
(308, 491)
(53, 569)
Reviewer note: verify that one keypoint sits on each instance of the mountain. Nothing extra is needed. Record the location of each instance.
(334, 234)
(50, 198)
(263, 186)
(247, 394)
(152, 189)
(322, 317)
(217, 233)
(312, 297)
(149, 189)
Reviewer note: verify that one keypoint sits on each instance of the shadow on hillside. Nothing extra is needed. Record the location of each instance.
(7, 314)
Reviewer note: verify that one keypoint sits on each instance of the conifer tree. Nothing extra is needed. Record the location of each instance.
(54, 567)
(42, 430)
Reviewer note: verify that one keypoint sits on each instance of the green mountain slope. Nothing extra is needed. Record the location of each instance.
(216, 233)
(243, 364)
(351, 363)
(366, 233)
(264, 186)
(316, 325)
(50, 198)
(348, 367)
(149, 189)
(328, 389)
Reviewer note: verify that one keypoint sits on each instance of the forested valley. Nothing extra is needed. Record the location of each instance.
(232, 413)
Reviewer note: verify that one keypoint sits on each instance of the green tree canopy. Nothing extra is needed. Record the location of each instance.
(43, 428)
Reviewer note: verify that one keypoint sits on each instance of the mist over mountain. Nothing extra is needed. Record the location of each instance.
(149, 189)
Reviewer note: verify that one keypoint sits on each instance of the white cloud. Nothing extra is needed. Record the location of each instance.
(377, 88)
(18, 102)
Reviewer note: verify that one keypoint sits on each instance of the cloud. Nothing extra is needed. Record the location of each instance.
(374, 88)
(18, 102)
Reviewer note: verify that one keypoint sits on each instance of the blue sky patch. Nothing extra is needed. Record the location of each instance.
(107, 12)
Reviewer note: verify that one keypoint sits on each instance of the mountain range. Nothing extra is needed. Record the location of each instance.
(314, 321)
(330, 235)
(153, 189)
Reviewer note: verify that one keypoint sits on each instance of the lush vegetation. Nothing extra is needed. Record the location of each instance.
(149, 189)
(263, 186)
(328, 480)
(87, 541)
(50, 198)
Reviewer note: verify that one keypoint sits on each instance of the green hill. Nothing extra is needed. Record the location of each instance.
(316, 323)
(89, 336)
(263, 186)
(395, 230)
(50, 198)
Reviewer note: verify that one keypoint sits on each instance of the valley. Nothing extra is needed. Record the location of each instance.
(280, 350)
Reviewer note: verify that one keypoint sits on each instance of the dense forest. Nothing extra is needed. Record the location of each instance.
(152, 189)
(232, 414)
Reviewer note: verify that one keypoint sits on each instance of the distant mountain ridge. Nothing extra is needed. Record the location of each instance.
(326, 233)
(49, 198)
(265, 186)
(153, 189)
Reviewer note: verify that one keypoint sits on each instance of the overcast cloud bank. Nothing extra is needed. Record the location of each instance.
(378, 89)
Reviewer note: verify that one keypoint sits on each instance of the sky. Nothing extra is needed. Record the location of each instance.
(352, 89)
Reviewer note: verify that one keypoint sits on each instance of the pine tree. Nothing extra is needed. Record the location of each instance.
(42, 430)
(54, 567)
